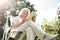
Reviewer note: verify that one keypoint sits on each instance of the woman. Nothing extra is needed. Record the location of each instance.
(42, 35)
(17, 22)
(38, 31)
(32, 17)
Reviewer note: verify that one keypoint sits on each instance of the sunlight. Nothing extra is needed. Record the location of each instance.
(3, 4)
(3, 1)
(44, 10)
(6, 4)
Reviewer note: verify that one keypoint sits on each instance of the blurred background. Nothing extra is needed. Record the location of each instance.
(48, 14)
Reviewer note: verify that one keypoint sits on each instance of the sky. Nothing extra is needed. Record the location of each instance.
(45, 9)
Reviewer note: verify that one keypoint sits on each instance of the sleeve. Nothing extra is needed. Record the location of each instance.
(50, 36)
(15, 20)
(30, 34)
(38, 31)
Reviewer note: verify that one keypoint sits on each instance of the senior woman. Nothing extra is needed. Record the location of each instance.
(16, 33)
(42, 35)
(29, 32)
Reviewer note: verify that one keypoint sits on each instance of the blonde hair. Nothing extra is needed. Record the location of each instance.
(31, 15)
(23, 10)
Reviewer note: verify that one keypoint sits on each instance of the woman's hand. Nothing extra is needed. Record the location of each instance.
(24, 20)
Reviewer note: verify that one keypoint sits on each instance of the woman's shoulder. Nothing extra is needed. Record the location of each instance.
(16, 17)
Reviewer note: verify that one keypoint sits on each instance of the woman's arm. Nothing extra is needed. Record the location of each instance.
(38, 31)
(41, 33)
(16, 24)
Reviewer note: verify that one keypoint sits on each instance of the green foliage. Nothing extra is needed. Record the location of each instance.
(53, 27)
(21, 4)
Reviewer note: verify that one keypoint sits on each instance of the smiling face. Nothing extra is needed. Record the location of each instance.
(24, 14)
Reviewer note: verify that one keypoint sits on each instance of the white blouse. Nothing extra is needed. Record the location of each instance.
(22, 27)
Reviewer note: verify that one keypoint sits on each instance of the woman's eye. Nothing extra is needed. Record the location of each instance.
(24, 11)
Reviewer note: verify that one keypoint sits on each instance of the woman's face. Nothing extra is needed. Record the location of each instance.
(34, 18)
(24, 13)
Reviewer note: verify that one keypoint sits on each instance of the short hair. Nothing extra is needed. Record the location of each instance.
(23, 10)
(31, 15)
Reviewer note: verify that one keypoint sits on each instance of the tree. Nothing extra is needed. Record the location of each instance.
(19, 5)
(52, 27)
